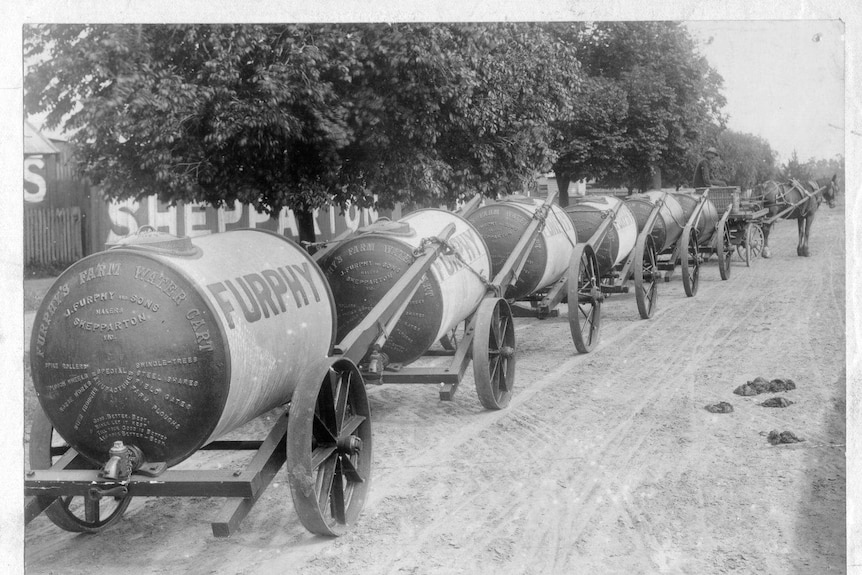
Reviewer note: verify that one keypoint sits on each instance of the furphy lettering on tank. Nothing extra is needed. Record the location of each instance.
(468, 247)
(266, 293)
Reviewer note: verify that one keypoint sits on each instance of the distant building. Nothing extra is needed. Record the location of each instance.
(548, 182)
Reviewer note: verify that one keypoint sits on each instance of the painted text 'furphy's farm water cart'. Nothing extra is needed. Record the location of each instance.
(148, 352)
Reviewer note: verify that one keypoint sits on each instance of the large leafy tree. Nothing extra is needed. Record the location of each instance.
(592, 143)
(303, 115)
(746, 159)
(667, 103)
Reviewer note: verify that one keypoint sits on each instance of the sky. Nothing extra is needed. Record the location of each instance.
(783, 80)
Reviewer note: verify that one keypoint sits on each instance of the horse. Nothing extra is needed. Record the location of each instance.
(779, 197)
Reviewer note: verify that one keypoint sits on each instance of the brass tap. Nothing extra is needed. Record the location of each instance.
(122, 461)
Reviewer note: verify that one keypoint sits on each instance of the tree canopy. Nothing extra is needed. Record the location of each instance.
(660, 103)
(746, 159)
(303, 115)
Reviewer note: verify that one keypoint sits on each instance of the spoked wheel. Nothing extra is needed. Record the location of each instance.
(689, 261)
(494, 353)
(78, 514)
(646, 275)
(584, 298)
(329, 449)
(724, 249)
(753, 242)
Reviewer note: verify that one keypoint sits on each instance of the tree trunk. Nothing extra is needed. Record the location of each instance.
(655, 177)
(563, 186)
(305, 222)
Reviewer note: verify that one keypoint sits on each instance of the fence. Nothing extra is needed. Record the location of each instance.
(52, 236)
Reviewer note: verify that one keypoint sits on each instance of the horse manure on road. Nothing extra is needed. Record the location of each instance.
(784, 437)
(761, 385)
(720, 407)
(777, 402)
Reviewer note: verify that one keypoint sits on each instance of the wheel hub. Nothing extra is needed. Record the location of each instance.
(350, 445)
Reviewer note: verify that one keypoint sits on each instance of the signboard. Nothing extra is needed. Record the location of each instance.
(35, 179)
(190, 219)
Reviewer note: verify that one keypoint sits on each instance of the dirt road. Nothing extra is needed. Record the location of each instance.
(603, 463)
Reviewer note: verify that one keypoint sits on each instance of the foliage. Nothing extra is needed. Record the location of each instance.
(592, 143)
(814, 169)
(796, 169)
(746, 159)
(823, 168)
(302, 115)
(671, 104)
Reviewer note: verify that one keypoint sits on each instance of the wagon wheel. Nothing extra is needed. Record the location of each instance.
(494, 353)
(689, 261)
(584, 298)
(75, 513)
(646, 274)
(329, 449)
(753, 242)
(724, 249)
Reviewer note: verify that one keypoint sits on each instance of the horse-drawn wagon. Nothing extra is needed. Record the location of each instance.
(555, 261)
(741, 222)
(674, 232)
(590, 250)
(149, 352)
(609, 254)
(798, 201)
(459, 288)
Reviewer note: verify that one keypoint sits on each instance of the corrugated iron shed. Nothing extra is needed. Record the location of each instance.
(35, 144)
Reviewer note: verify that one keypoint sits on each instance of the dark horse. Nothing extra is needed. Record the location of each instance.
(808, 197)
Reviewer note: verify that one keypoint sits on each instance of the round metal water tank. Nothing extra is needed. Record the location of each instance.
(670, 221)
(587, 214)
(708, 215)
(502, 225)
(362, 269)
(166, 343)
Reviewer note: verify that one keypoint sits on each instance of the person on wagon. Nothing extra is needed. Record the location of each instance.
(703, 171)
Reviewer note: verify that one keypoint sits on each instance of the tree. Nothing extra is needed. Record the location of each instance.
(826, 168)
(299, 116)
(746, 159)
(796, 170)
(592, 143)
(672, 102)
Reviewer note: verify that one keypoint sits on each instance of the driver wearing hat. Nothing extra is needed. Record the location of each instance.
(702, 176)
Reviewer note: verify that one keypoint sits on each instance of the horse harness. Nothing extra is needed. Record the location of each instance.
(783, 191)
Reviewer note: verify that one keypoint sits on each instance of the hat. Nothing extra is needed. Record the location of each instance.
(711, 151)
